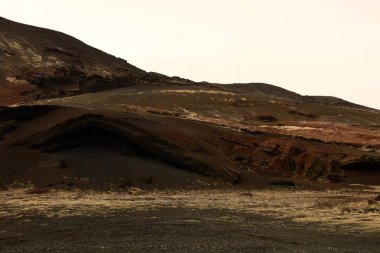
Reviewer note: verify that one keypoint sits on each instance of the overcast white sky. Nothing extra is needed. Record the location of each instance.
(313, 47)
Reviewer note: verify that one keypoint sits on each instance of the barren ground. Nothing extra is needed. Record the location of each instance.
(265, 220)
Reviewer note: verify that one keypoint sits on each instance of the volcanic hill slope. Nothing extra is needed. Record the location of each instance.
(74, 116)
(39, 63)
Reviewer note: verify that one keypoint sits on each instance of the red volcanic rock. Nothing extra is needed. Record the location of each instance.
(283, 163)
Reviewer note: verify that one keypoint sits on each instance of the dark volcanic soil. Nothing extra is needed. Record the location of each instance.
(267, 220)
(176, 230)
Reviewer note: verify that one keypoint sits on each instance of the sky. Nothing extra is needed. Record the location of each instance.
(312, 47)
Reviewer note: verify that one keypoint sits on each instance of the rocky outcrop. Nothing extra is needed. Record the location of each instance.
(300, 158)
(283, 163)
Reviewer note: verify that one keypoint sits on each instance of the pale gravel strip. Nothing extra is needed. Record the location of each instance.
(324, 209)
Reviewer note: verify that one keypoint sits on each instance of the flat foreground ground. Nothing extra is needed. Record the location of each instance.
(271, 220)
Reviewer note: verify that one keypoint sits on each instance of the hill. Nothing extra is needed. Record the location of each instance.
(38, 63)
(74, 116)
